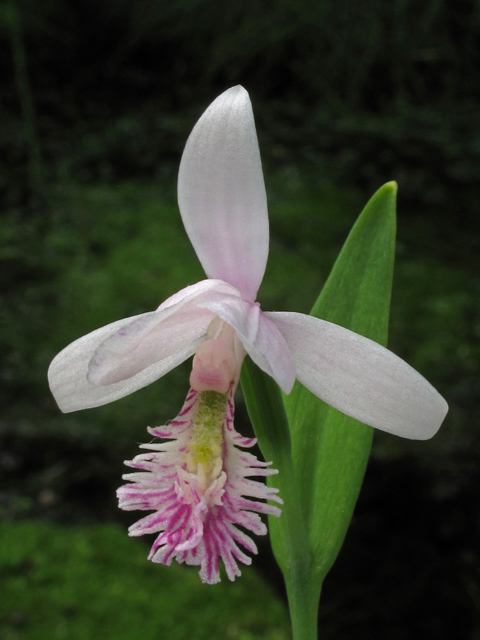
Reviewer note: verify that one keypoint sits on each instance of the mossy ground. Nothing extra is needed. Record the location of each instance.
(79, 583)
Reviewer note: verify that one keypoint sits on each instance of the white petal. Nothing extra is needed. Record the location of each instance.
(131, 353)
(148, 341)
(194, 290)
(361, 378)
(155, 336)
(67, 373)
(222, 196)
(260, 337)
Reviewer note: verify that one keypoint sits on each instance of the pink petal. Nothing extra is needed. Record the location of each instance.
(131, 353)
(259, 335)
(361, 378)
(222, 196)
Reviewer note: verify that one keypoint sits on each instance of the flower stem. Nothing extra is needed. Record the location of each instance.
(303, 604)
(288, 533)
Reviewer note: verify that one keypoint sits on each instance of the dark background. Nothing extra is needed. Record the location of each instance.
(346, 96)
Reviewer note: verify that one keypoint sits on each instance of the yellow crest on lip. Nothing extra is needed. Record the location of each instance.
(206, 444)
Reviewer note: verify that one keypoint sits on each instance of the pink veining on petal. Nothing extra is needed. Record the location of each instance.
(199, 526)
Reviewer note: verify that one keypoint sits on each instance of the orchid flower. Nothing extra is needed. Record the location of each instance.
(196, 482)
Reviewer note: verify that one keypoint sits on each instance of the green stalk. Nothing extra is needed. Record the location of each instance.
(303, 605)
(288, 534)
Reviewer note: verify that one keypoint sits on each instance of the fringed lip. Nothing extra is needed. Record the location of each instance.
(196, 525)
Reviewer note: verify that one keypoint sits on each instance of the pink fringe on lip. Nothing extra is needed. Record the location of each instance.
(199, 525)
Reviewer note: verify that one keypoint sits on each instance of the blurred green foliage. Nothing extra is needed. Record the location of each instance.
(346, 95)
(94, 582)
(363, 92)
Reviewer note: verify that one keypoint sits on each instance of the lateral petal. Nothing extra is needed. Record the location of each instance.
(221, 193)
(129, 354)
(68, 371)
(262, 340)
(361, 378)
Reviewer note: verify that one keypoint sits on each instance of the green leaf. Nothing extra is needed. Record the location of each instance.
(320, 453)
(330, 450)
(267, 413)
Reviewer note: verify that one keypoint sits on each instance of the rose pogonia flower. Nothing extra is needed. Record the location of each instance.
(196, 482)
